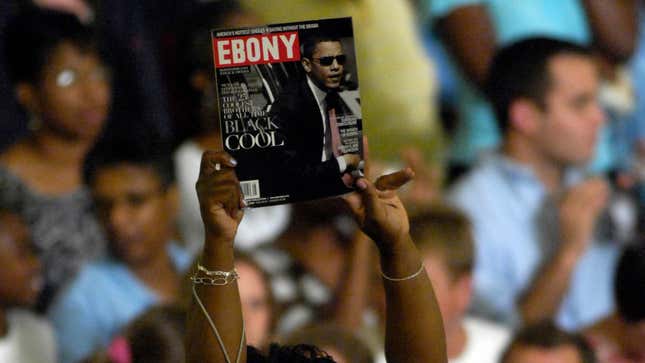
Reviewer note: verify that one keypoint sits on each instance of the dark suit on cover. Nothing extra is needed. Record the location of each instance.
(301, 172)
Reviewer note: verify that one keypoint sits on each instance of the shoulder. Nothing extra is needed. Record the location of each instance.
(26, 320)
(291, 96)
(94, 280)
(482, 179)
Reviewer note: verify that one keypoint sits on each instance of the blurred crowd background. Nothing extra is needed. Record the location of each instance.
(523, 121)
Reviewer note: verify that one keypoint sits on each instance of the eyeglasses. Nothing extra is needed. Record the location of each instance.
(327, 61)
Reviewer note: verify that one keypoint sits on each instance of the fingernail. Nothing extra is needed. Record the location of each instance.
(243, 203)
(233, 162)
(361, 184)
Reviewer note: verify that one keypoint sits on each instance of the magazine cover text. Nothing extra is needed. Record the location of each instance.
(289, 109)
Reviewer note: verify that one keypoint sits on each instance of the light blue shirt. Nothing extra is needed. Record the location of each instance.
(515, 230)
(512, 20)
(102, 300)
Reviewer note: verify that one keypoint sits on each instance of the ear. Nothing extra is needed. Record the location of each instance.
(199, 80)
(306, 64)
(27, 97)
(464, 291)
(524, 116)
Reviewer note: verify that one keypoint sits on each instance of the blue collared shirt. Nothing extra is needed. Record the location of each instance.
(103, 299)
(515, 230)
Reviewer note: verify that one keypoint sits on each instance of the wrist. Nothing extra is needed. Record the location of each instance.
(396, 247)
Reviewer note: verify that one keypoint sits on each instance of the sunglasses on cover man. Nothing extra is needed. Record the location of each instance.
(328, 60)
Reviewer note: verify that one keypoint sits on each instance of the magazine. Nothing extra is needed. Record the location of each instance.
(289, 109)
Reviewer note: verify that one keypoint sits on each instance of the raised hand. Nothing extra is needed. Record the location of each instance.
(379, 211)
(579, 209)
(220, 198)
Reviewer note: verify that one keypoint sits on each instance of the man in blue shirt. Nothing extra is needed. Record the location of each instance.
(533, 214)
(135, 200)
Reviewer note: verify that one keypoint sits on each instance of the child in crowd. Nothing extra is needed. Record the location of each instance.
(136, 203)
(443, 236)
(24, 337)
(161, 327)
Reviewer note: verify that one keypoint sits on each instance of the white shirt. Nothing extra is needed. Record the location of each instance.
(485, 342)
(320, 96)
(30, 339)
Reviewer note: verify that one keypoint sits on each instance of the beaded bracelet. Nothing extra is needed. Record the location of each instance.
(214, 278)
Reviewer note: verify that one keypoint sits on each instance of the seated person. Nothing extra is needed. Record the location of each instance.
(444, 239)
(215, 331)
(619, 337)
(257, 300)
(24, 337)
(318, 267)
(136, 202)
(61, 81)
(545, 343)
(533, 212)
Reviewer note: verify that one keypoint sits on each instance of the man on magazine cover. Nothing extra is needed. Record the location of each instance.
(307, 111)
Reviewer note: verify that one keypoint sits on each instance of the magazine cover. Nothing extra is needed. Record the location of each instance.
(289, 109)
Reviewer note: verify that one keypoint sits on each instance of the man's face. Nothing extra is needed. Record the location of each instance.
(325, 74)
(135, 210)
(20, 275)
(256, 307)
(572, 116)
(453, 294)
(529, 354)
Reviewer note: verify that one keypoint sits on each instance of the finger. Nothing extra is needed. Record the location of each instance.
(395, 180)
(367, 166)
(369, 196)
(214, 161)
(353, 202)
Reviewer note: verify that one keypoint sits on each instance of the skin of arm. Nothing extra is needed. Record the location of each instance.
(414, 330)
(579, 209)
(615, 27)
(220, 202)
(470, 37)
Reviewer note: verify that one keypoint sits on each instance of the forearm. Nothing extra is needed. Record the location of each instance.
(544, 296)
(223, 306)
(414, 329)
(615, 27)
(352, 295)
(470, 36)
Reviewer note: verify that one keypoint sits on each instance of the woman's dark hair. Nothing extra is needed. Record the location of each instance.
(157, 336)
(301, 353)
(330, 336)
(34, 34)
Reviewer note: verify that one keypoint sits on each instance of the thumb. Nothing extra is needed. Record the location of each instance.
(369, 196)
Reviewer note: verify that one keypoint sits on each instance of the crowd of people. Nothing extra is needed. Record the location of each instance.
(514, 230)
